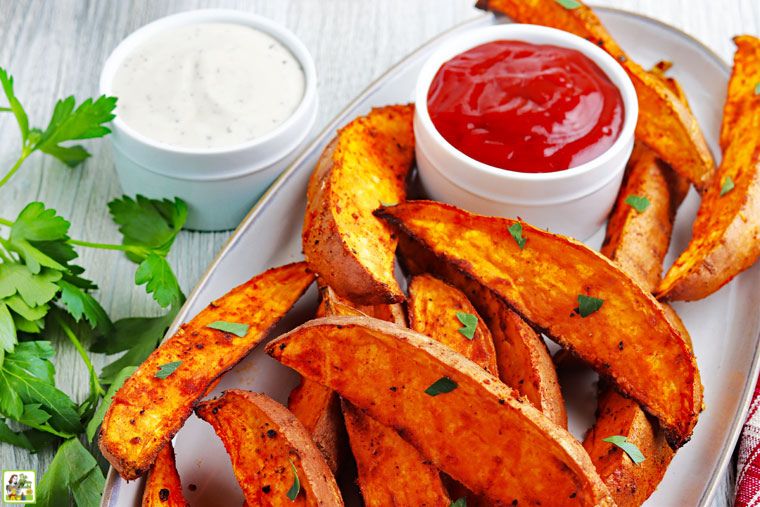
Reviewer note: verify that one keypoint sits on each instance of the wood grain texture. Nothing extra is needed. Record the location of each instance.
(57, 48)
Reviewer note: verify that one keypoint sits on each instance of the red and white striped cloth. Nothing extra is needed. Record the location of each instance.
(748, 467)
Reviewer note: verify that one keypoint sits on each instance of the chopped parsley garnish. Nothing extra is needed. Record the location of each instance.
(230, 327)
(469, 323)
(757, 89)
(569, 4)
(441, 386)
(728, 185)
(588, 305)
(295, 489)
(516, 230)
(629, 448)
(167, 369)
(637, 202)
(459, 502)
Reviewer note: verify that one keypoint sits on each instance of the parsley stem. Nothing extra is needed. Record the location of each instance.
(109, 246)
(5, 222)
(24, 154)
(5, 110)
(94, 382)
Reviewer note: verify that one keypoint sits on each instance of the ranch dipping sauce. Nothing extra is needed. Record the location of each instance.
(208, 85)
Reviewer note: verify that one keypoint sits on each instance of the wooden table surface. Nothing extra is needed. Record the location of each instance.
(58, 48)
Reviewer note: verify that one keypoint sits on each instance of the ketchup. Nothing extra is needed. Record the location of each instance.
(526, 107)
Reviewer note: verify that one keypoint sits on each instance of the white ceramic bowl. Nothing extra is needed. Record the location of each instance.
(575, 201)
(219, 184)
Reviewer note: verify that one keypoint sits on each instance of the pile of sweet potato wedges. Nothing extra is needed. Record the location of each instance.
(439, 385)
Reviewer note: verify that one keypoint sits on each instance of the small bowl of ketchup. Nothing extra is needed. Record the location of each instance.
(525, 121)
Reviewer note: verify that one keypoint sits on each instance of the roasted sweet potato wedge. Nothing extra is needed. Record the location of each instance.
(726, 233)
(637, 241)
(273, 456)
(629, 483)
(523, 360)
(163, 487)
(741, 87)
(148, 410)
(665, 123)
(435, 308)
(549, 283)
(364, 166)
(318, 407)
(444, 404)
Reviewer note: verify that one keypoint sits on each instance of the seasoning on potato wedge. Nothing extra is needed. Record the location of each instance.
(156, 400)
(573, 295)
(523, 361)
(445, 405)
(364, 166)
(163, 487)
(273, 457)
(665, 123)
(726, 233)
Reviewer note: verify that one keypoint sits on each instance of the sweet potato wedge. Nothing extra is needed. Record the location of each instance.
(271, 451)
(163, 487)
(629, 483)
(544, 283)
(637, 241)
(665, 123)
(365, 165)
(448, 407)
(318, 407)
(147, 411)
(523, 361)
(726, 233)
(434, 306)
(741, 87)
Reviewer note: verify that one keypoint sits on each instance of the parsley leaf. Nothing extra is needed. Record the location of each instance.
(569, 4)
(728, 185)
(6, 81)
(295, 489)
(757, 89)
(167, 369)
(638, 203)
(9, 436)
(441, 386)
(80, 304)
(73, 470)
(629, 448)
(588, 305)
(230, 327)
(469, 322)
(7, 329)
(516, 230)
(159, 280)
(97, 418)
(34, 289)
(459, 502)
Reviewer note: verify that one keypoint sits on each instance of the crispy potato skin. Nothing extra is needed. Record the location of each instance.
(665, 123)
(523, 361)
(147, 411)
(629, 484)
(541, 283)
(726, 233)
(263, 438)
(365, 165)
(163, 487)
(385, 370)
(638, 242)
(391, 471)
(433, 307)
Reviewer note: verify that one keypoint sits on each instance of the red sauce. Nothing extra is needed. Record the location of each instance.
(526, 107)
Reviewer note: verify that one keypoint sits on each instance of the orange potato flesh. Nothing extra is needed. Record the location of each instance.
(265, 441)
(163, 487)
(316, 406)
(433, 308)
(726, 233)
(665, 123)
(364, 166)
(542, 282)
(147, 411)
(741, 87)
(523, 361)
(385, 370)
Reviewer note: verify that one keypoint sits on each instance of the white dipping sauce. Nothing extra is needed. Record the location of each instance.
(208, 85)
